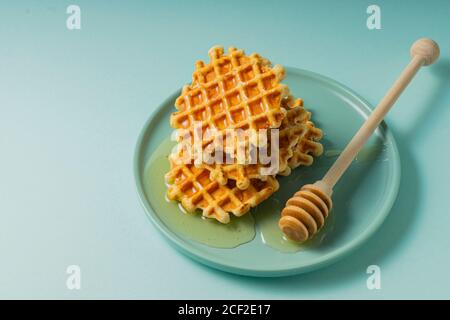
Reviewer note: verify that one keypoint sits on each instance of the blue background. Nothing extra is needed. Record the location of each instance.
(72, 104)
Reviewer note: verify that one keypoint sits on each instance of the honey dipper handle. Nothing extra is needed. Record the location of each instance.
(423, 52)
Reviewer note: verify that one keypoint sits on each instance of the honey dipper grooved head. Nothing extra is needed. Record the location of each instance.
(305, 212)
(293, 229)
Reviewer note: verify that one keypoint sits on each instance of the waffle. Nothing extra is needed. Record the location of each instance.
(232, 91)
(307, 147)
(193, 187)
(235, 91)
(291, 130)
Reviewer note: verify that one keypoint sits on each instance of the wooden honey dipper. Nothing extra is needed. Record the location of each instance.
(305, 213)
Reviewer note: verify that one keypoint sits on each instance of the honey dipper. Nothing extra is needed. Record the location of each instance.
(305, 213)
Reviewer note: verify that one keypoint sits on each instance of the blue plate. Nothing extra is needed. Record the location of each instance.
(362, 198)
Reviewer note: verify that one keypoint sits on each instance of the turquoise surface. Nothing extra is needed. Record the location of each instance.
(72, 104)
(361, 201)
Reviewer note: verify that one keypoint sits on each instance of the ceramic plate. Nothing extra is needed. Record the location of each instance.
(362, 198)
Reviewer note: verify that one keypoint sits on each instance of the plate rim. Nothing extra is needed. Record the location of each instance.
(195, 253)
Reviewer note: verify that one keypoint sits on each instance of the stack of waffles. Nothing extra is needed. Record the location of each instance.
(241, 93)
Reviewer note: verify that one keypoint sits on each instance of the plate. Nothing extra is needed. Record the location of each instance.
(362, 198)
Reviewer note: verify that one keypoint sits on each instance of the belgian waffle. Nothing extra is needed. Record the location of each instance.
(291, 130)
(193, 187)
(307, 147)
(232, 91)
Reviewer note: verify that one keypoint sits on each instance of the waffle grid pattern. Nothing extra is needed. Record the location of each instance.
(233, 91)
(307, 146)
(290, 132)
(193, 187)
